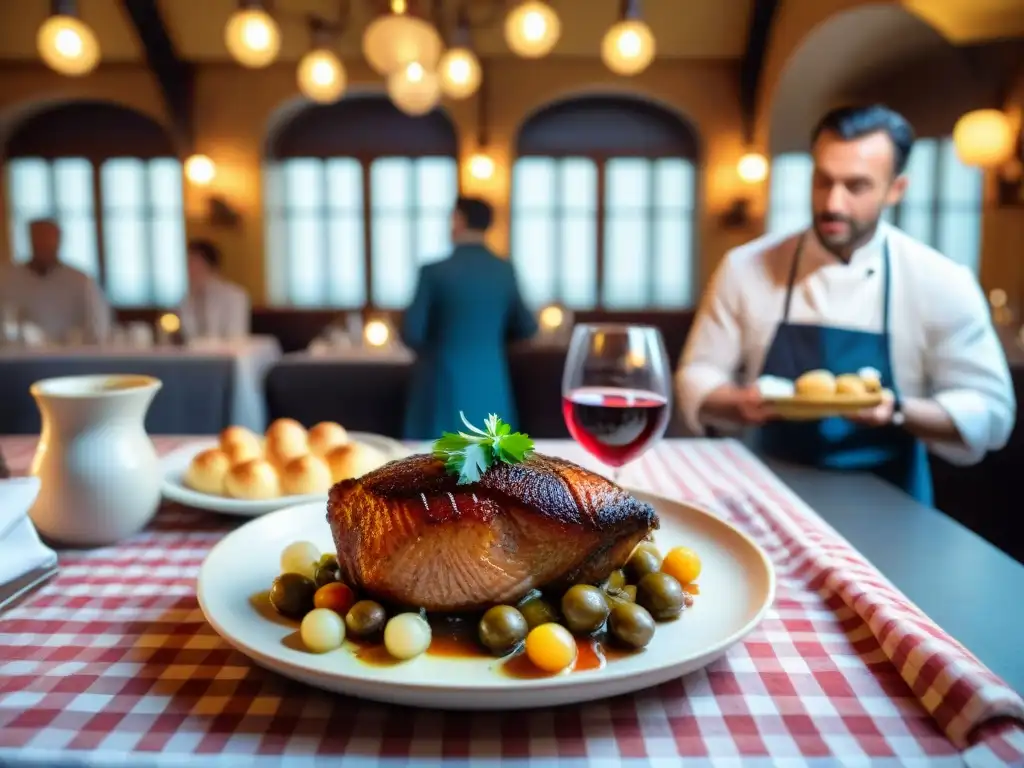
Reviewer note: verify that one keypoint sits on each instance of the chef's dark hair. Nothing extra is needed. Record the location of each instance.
(858, 121)
(478, 213)
(205, 250)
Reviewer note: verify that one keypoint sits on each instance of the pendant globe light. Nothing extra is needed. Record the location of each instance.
(459, 69)
(532, 29)
(414, 89)
(628, 47)
(252, 36)
(393, 41)
(321, 75)
(65, 43)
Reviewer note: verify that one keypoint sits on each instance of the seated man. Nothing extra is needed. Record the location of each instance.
(213, 307)
(64, 303)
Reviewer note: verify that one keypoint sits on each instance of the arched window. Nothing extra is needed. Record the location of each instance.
(942, 206)
(111, 177)
(358, 196)
(603, 205)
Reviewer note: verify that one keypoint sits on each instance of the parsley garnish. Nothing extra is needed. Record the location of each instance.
(470, 455)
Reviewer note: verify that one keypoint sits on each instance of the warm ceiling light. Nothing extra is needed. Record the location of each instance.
(322, 76)
(460, 73)
(628, 47)
(397, 39)
(200, 170)
(984, 138)
(481, 166)
(532, 29)
(414, 89)
(67, 45)
(753, 167)
(252, 37)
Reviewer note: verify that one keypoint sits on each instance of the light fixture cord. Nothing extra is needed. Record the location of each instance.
(630, 9)
(64, 8)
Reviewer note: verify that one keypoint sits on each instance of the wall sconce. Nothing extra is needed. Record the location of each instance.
(481, 166)
(376, 333)
(752, 168)
(987, 138)
(200, 170)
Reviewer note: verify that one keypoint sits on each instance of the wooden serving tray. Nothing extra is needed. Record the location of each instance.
(809, 407)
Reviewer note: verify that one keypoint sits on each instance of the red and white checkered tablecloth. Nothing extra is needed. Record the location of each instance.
(113, 663)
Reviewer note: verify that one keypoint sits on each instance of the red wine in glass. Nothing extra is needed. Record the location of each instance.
(616, 390)
(614, 425)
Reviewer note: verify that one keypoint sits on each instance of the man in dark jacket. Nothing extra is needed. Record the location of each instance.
(465, 311)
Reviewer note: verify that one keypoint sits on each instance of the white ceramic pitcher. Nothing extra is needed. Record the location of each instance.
(99, 473)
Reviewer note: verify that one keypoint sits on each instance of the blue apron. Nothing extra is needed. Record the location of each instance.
(890, 452)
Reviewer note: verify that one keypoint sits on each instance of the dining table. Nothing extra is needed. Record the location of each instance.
(112, 662)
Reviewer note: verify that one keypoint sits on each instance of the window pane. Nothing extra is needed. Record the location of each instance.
(673, 261)
(128, 279)
(533, 183)
(344, 184)
(674, 184)
(961, 184)
(627, 184)
(437, 183)
(302, 184)
(960, 208)
(346, 278)
(391, 179)
(789, 208)
(276, 248)
(579, 261)
(306, 254)
(393, 273)
(627, 248)
(72, 185)
(28, 197)
(167, 234)
(578, 184)
(533, 254)
(960, 237)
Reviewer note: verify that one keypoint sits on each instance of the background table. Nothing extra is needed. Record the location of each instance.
(207, 386)
(112, 663)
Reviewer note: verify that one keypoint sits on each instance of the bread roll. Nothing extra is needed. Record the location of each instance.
(241, 452)
(236, 435)
(306, 474)
(256, 479)
(326, 436)
(353, 460)
(872, 379)
(286, 440)
(850, 385)
(819, 383)
(207, 470)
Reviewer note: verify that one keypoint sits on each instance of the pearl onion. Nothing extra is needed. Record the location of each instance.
(322, 630)
(407, 635)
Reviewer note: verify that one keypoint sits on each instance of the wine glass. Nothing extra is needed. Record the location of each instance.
(616, 391)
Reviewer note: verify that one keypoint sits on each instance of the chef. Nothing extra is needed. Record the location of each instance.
(853, 292)
(65, 304)
(214, 308)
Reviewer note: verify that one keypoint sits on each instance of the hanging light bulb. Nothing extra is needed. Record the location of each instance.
(983, 138)
(252, 37)
(460, 73)
(322, 76)
(481, 166)
(67, 45)
(396, 39)
(628, 46)
(414, 89)
(532, 29)
(752, 167)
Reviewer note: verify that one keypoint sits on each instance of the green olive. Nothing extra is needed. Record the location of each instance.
(502, 629)
(629, 593)
(326, 571)
(538, 611)
(292, 595)
(631, 624)
(649, 546)
(616, 581)
(585, 609)
(661, 595)
(641, 562)
(365, 619)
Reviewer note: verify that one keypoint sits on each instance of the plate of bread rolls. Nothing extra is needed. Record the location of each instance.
(820, 394)
(244, 473)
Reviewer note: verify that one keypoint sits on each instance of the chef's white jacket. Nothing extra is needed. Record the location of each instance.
(221, 310)
(943, 344)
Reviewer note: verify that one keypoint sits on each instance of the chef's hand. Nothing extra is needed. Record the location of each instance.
(743, 405)
(878, 416)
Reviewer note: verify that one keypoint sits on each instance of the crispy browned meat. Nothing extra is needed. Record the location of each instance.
(406, 533)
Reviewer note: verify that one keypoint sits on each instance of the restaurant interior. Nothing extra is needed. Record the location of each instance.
(622, 163)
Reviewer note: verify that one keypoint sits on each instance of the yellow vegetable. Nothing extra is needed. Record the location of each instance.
(682, 564)
(551, 647)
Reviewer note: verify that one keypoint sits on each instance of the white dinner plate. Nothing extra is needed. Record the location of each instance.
(737, 587)
(176, 463)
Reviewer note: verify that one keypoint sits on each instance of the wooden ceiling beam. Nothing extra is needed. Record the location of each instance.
(761, 18)
(175, 75)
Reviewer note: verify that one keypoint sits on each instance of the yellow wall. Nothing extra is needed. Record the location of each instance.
(234, 108)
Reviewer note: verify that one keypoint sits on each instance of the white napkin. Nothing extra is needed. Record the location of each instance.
(21, 550)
